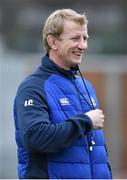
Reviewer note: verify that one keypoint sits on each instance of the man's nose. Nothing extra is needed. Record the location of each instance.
(82, 44)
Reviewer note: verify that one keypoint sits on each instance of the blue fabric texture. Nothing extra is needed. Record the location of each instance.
(55, 138)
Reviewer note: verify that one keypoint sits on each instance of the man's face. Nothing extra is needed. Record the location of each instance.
(71, 44)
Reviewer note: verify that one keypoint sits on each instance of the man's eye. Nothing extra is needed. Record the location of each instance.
(85, 38)
(75, 38)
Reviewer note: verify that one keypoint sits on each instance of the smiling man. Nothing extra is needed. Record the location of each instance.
(68, 48)
(59, 126)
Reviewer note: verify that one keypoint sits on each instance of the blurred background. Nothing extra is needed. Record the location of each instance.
(105, 64)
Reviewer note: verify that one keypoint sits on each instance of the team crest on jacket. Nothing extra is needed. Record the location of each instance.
(64, 101)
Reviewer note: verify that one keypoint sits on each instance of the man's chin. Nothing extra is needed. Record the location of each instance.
(77, 62)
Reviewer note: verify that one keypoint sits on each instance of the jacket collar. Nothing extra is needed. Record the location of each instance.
(49, 65)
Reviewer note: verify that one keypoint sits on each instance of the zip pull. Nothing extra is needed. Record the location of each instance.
(93, 142)
(91, 148)
(91, 145)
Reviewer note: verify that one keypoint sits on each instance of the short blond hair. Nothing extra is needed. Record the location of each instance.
(55, 23)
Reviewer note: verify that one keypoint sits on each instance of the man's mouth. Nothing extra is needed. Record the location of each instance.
(78, 53)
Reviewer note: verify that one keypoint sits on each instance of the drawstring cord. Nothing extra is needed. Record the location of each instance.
(91, 105)
(83, 97)
(86, 89)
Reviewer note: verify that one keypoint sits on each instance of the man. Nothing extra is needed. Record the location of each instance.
(57, 117)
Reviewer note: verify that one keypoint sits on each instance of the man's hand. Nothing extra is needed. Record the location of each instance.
(97, 118)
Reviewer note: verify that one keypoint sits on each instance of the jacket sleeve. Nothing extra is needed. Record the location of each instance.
(37, 132)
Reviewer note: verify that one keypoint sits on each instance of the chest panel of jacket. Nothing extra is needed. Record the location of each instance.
(64, 101)
(62, 96)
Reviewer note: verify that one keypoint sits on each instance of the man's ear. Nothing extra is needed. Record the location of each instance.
(51, 40)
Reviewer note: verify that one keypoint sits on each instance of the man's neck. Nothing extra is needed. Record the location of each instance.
(57, 60)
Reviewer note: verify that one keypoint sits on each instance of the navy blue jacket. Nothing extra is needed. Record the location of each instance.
(55, 138)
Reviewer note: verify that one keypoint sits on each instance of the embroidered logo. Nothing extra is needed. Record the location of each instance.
(64, 101)
(28, 102)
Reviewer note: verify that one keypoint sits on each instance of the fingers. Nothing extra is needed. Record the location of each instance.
(102, 117)
(97, 118)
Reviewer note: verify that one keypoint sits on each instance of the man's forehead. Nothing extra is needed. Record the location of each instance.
(73, 27)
